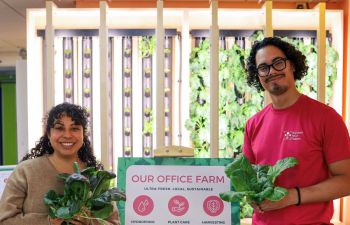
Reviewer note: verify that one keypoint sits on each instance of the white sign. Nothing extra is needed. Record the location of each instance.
(5, 172)
(161, 195)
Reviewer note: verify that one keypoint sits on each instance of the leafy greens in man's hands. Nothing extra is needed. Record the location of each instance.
(256, 182)
(87, 194)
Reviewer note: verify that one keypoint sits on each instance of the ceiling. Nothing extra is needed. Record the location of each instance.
(13, 19)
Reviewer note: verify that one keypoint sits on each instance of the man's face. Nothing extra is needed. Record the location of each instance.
(277, 80)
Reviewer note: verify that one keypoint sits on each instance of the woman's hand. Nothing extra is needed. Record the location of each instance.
(55, 221)
(58, 221)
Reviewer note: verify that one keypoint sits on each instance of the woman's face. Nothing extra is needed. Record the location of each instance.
(66, 138)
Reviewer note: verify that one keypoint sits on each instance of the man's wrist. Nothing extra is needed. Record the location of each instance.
(298, 196)
(292, 197)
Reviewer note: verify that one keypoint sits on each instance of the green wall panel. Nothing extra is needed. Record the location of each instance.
(9, 123)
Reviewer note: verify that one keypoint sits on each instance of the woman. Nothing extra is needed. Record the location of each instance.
(65, 141)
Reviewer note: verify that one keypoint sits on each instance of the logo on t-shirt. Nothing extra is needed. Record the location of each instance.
(292, 135)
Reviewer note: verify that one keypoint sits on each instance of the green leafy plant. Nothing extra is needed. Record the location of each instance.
(68, 73)
(127, 131)
(67, 53)
(127, 111)
(127, 91)
(87, 52)
(148, 124)
(147, 46)
(127, 150)
(308, 84)
(127, 71)
(87, 196)
(255, 182)
(147, 71)
(147, 111)
(87, 72)
(127, 51)
(148, 92)
(167, 50)
(68, 92)
(237, 101)
(87, 92)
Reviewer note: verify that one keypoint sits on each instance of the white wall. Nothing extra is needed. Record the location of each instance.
(8, 59)
(21, 108)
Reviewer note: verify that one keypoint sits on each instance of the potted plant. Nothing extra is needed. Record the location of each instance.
(166, 111)
(127, 72)
(147, 111)
(87, 52)
(67, 73)
(87, 72)
(167, 91)
(127, 150)
(127, 51)
(147, 46)
(147, 71)
(147, 151)
(167, 51)
(167, 131)
(127, 131)
(147, 92)
(68, 92)
(148, 126)
(88, 111)
(67, 53)
(127, 111)
(127, 91)
(87, 92)
(166, 72)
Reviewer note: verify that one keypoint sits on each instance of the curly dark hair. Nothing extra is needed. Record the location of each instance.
(294, 55)
(79, 116)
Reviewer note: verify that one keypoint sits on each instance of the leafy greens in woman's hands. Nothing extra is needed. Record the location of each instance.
(87, 194)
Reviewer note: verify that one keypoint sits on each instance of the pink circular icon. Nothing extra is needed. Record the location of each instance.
(178, 205)
(143, 205)
(213, 206)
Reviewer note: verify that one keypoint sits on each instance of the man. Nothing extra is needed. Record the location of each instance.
(294, 125)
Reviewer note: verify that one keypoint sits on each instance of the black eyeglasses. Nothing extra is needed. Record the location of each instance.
(279, 64)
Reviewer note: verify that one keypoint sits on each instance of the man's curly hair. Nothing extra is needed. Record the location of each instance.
(79, 116)
(297, 59)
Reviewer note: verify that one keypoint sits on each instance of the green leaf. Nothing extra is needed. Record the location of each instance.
(261, 196)
(63, 176)
(51, 198)
(117, 195)
(240, 163)
(243, 181)
(233, 196)
(63, 213)
(102, 213)
(101, 182)
(280, 166)
(277, 194)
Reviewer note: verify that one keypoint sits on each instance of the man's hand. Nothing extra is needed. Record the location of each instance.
(290, 199)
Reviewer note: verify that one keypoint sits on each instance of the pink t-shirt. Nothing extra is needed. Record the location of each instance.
(312, 132)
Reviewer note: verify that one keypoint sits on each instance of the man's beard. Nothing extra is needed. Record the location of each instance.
(275, 88)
